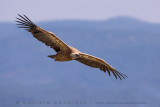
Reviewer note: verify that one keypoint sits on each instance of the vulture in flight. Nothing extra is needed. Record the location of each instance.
(64, 51)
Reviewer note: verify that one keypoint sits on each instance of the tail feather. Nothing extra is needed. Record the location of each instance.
(51, 56)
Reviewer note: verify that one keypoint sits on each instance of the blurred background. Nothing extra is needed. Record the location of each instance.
(124, 33)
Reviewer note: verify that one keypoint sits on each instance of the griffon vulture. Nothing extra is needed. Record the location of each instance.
(64, 51)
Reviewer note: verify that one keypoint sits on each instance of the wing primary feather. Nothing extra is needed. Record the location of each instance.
(104, 68)
(23, 27)
(117, 74)
(108, 70)
(25, 22)
(114, 75)
(23, 18)
(121, 74)
(22, 22)
(28, 19)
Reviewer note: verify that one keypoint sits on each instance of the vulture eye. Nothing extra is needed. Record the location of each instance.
(77, 55)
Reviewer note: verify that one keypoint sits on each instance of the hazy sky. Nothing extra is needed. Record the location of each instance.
(41, 10)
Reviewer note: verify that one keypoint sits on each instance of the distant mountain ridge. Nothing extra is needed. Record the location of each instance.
(121, 22)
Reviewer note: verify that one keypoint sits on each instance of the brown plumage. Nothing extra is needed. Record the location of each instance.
(64, 51)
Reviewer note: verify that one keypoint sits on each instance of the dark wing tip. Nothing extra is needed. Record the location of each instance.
(116, 73)
(24, 22)
(121, 75)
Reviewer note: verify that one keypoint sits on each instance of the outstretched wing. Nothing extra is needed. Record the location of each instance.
(99, 63)
(49, 38)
